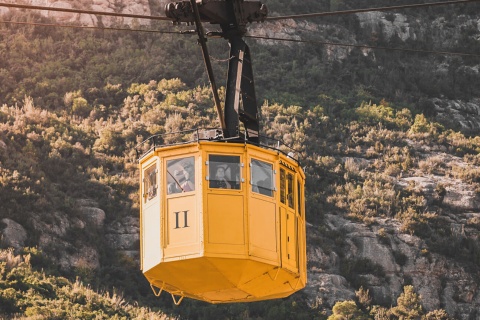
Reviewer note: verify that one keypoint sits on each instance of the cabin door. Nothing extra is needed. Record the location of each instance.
(151, 226)
(288, 221)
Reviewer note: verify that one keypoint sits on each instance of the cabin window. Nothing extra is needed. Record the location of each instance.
(181, 175)
(290, 194)
(282, 187)
(286, 188)
(262, 177)
(224, 172)
(150, 183)
(299, 197)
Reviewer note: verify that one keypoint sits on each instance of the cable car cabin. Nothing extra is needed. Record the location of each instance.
(222, 221)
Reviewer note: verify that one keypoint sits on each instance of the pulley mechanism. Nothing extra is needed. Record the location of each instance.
(218, 12)
(232, 16)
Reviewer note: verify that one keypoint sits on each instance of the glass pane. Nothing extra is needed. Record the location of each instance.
(262, 177)
(290, 194)
(282, 186)
(224, 172)
(299, 198)
(150, 183)
(181, 175)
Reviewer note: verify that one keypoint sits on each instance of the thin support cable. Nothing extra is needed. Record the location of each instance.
(92, 12)
(72, 26)
(363, 46)
(353, 11)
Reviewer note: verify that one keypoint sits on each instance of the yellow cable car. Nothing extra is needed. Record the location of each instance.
(222, 213)
(222, 221)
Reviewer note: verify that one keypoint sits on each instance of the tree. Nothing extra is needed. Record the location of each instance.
(346, 310)
(80, 107)
(364, 298)
(408, 305)
(436, 315)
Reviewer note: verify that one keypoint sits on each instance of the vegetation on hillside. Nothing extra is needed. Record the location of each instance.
(91, 155)
(75, 103)
(409, 306)
(45, 62)
(27, 292)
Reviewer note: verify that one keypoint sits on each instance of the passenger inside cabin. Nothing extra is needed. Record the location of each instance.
(188, 173)
(176, 186)
(180, 175)
(220, 180)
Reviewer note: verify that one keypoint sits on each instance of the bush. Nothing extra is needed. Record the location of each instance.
(80, 107)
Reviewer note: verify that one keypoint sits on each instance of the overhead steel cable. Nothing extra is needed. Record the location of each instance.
(72, 26)
(345, 12)
(92, 12)
(298, 16)
(363, 46)
(191, 32)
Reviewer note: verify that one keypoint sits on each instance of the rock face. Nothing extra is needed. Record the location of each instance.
(385, 259)
(403, 260)
(460, 114)
(391, 259)
(94, 215)
(388, 24)
(124, 235)
(59, 235)
(13, 234)
(441, 32)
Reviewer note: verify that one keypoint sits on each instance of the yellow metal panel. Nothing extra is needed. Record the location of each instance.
(302, 254)
(152, 251)
(182, 226)
(240, 271)
(225, 223)
(288, 239)
(193, 276)
(283, 234)
(262, 224)
(273, 283)
(292, 243)
(226, 295)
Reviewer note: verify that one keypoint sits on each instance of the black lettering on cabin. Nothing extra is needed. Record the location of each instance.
(177, 220)
(287, 165)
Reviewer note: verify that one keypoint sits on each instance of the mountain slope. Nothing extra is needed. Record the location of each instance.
(392, 185)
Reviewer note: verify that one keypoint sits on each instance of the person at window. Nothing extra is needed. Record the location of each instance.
(187, 185)
(176, 186)
(220, 179)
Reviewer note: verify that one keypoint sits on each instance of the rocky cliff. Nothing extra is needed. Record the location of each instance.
(343, 254)
(404, 31)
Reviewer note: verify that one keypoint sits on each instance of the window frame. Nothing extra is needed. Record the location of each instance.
(287, 188)
(283, 182)
(177, 178)
(211, 163)
(270, 175)
(150, 188)
(291, 190)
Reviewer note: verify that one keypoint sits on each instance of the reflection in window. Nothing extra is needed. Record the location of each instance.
(224, 172)
(282, 186)
(150, 183)
(181, 175)
(290, 194)
(299, 198)
(286, 188)
(262, 177)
